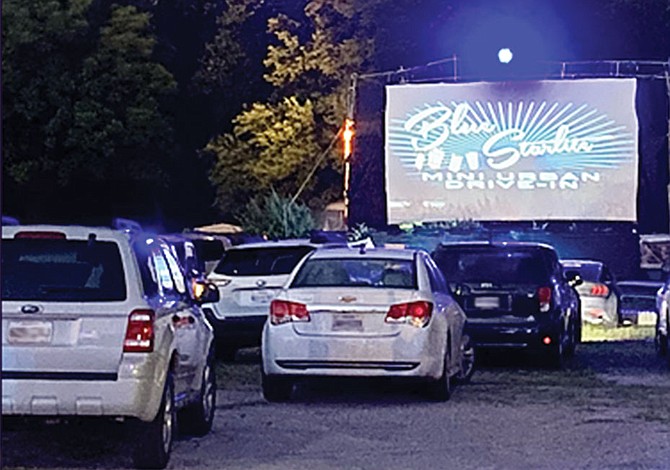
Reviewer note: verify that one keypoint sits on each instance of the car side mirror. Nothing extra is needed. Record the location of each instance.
(573, 278)
(205, 292)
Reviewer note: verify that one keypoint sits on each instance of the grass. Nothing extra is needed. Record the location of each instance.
(592, 333)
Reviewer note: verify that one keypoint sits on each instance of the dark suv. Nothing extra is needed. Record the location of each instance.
(515, 295)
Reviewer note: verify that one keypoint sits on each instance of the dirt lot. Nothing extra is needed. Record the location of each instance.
(610, 408)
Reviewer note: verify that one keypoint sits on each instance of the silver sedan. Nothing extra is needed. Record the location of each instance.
(365, 313)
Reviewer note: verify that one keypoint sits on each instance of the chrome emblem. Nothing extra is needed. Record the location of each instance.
(486, 285)
(347, 298)
(30, 309)
(261, 283)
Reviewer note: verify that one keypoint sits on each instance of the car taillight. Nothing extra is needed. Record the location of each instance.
(283, 311)
(41, 235)
(544, 297)
(600, 290)
(415, 313)
(140, 331)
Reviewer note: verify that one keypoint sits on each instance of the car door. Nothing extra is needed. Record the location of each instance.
(445, 303)
(191, 331)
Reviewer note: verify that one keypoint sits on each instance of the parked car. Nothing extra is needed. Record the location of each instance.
(637, 302)
(209, 248)
(515, 295)
(662, 329)
(598, 293)
(365, 313)
(249, 276)
(99, 322)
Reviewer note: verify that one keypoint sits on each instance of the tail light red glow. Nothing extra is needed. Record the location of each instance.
(140, 331)
(544, 297)
(42, 235)
(415, 313)
(546, 340)
(600, 290)
(283, 311)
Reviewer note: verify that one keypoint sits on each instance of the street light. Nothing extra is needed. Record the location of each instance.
(505, 55)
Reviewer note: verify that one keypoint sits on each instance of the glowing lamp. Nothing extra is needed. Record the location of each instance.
(505, 55)
(348, 136)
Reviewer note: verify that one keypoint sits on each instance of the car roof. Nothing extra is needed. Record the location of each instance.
(70, 231)
(634, 283)
(580, 262)
(293, 242)
(346, 252)
(498, 244)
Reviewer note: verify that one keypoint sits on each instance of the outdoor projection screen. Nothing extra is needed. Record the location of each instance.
(541, 150)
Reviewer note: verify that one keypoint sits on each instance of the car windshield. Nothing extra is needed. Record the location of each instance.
(62, 270)
(501, 266)
(383, 273)
(261, 261)
(587, 271)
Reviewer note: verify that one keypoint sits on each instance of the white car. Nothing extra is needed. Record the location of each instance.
(663, 318)
(100, 323)
(365, 313)
(598, 293)
(249, 276)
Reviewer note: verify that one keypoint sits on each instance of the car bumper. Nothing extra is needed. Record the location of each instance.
(409, 353)
(499, 333)
(598, 311)
(239, 331)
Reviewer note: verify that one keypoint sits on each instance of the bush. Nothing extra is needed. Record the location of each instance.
(276, 216)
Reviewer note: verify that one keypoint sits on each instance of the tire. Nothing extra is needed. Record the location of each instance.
(555, 356)
(573, 340)
(440, 389)
(276, 389)
(468, 361)
(196, 419)
(154, 439)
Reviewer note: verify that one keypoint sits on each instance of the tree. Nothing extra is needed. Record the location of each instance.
(82, 105)
(279, 143)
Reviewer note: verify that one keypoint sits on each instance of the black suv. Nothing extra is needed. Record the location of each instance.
(515, 295)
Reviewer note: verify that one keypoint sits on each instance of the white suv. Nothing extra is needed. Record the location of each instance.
(97, 322)
(249, 276)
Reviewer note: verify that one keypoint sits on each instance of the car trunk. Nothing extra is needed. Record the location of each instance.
(484, 300)
(62, 338)
(349, 312)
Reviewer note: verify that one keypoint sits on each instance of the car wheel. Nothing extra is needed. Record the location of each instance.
(555, 355)
(154, 439)
(572, 340)
(440, 389)
(661, 343)
(467, 362)
(276, 389)
(196, 419)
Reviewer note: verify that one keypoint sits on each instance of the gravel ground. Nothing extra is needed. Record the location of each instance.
(610, 408)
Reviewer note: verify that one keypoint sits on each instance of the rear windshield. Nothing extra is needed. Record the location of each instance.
(356, 272)
(61, 270)
(588, 272)
(261, 261)
(502, 266)
(209, 250)
(640, 303)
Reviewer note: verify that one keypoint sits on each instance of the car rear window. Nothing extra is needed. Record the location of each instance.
(209, 250)
(638, 302)
(261, 261)
(62, 270)
(383, 273)
(488, 264)
(588, 272)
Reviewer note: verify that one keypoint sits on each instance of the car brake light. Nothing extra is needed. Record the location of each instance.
(283, 311)
(415, 313)
(600, 290)
(544, 297)
(41, 235)
(140, 331)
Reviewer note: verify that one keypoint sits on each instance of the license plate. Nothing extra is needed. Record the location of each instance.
(347, 323)
(646, 318)
(261, 297)
(487, 302)
(29, 332)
